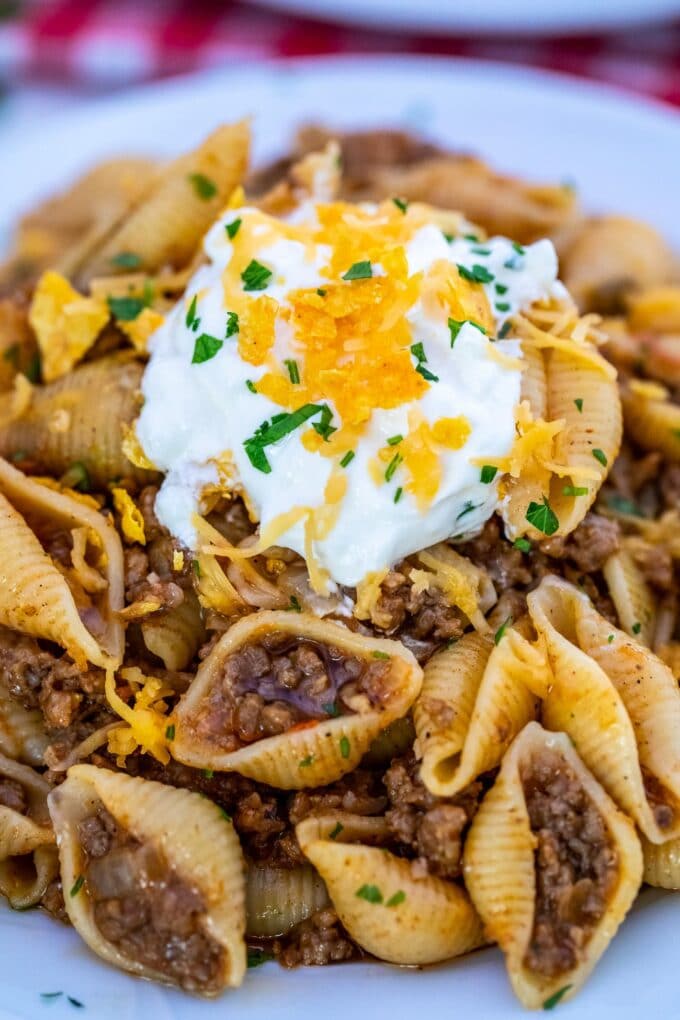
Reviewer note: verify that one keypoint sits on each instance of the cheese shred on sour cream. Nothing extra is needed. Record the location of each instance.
(344, 371)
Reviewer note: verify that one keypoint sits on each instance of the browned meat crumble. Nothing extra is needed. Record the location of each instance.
(143, 907)
(315, 942)
(13, 795)
(576, 864)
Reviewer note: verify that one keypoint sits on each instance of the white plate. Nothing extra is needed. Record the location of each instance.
(529, 17)
(624, 155)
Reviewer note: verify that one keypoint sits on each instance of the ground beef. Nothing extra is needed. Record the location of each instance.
(315, 942)
(144, 584)
(589, 546)
(146, 503)
(144, 908)
(431, 826)
(360, 793)
(661, 801)
(271, 685)
(53, 901)
(13, 795)
(576, 864)
(669, 484)
(656, 564)
(506, 566)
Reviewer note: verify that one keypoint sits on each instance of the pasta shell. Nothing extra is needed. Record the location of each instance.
(315, 751)
(167, 226)
(653, 422)
(473, 703)
(184, 848)
(503, 867)
(63, 425)
(279, 898)
(28, 856)
(35, 596)
(176, 634)
(631, 595)
(618, 702)
(386, 910)
(661, 863)
(22, 730)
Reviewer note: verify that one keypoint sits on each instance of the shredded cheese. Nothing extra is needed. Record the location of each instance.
(147, 721)
(131, 520)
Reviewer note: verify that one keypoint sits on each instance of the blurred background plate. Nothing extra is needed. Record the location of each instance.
(526, 16)
(623, 154)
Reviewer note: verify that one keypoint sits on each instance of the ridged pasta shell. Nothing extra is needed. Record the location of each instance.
(473, 703)
(94, 402)
(168, 224)
(387, 911)
(618, 702)
(313, 753)
(28, 856)
(631, 595)
(22, 730)
(661, 863)
(654, 423)
(35, 597)
(193, 837)
(500, 861)
(175, 635)
(279, 898)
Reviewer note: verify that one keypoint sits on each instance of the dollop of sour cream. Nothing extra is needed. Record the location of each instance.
(346, 372)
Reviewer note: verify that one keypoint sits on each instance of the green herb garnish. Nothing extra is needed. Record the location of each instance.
(77, 477)
(502, 629)
(488, 474)
(232, 324)
(478, 274)
(401, 204)
(336, 830)
(359, 271)
(579, 404)
(170, 732)
(256, 276)
(575, 490)
(637, 627)
(600, 456)
(204, 187)
(504, 330)
(306, 762)
(256, 957)
(394, 440)
(556, 998)
(125, 309)
(370, 893)
(344, 747)
(205, 348)
(523, 544)
(418, 352)
(392, 466)
(294, 606)
(398, 494)
(381, 655)
(232, 228)
(347, 459)
(191, 312)
(293, 371)
(543, 517)
(396, 899)
(77, 885)
(126, 260)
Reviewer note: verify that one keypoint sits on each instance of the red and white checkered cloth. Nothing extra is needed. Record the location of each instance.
(114, 42)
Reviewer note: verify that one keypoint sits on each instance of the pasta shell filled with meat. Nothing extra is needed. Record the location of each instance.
(632, 597)
(153, 878)
(63, 425)
(62, 570)
(661, 864)
(618, 702)
(279, 898)
(291, 700)
(569, 441)
(551, 865)
(22, 730)
(473, 703)
(28, 855)
(387, 911)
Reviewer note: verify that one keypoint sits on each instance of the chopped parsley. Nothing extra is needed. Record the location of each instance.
(394, 440)
(306, 762)
(204, 187)
(543, 517)
(514, 262)
(418, 352)
(518, 248)
(294, 606)
(551, 1002)
(77, 885)
(381, 655)
(637, 627)
(523, 544)
(600, 456)
(75, 1002)
(272, 431)
(196, 567)
(471, 237)
(344, 747)
(232, 228)
(256, 957)
(504, 330)
(251, 385)
(336, 830)
(398, 494)
(232, 324)
(392, 466)
(396, 899)
(256, 276)
(500, 633)
(348, 458)
(77, 477)
(208, 773)
(126, 309)
(623, 505)
(50, 995)
(359, 271)
(170, 732)
(502, 306)
(500, 288)
(401, 204)
(321, 292)
(323, 427)
(205, 348)
(126, 260)
(481, 251)
(455, 326)
(610, 639)
(191, 312)
(448, 237)
(370, 893)
(488, 474)
(330, 708)
(293, 371)
(467, 509)
(579, 404)
(477, 274)
(575, 490)
(224, 814)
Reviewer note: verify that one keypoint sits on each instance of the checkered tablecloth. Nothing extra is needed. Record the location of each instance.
(114, 42)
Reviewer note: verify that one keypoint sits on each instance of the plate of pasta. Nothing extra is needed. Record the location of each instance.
(339, 515)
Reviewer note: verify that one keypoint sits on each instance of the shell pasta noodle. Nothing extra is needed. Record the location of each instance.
(339, 577)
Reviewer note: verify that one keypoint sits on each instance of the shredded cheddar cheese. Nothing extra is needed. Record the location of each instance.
(147, 721)
(131, 520)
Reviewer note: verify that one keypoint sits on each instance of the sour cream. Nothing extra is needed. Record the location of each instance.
(202, 411)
